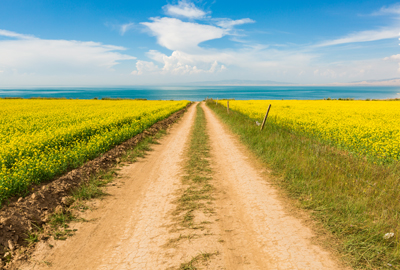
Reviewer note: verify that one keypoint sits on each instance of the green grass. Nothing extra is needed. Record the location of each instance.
(358, 201)
(202, 257)
(59, 225)
(142, 147)
(197, 193)
(89, 190)
(33, 236)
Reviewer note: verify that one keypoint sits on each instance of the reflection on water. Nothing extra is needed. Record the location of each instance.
(195, 93)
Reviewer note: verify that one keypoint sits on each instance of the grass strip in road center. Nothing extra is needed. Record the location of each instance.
(196, 198)
(197, 192)
(356, 200)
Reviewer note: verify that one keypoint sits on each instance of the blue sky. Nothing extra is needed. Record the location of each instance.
(155, 42)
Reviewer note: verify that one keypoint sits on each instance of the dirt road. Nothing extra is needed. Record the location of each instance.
(249, 227)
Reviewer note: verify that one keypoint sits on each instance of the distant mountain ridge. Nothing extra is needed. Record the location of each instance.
(238, 82)
(384, 82)
(374, 81)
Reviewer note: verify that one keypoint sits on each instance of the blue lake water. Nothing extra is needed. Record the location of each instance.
(197, 93)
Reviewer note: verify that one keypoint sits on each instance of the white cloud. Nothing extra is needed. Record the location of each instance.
(184, 9)
(229, 24)
(6, 33)
(255, 61)
(393, 57)
(44, 56)
(187, 57)
(251, 60)
(145, 67)
(393, 9)
(184, 39)
(175, 34)
(391, 31)
(363, 36)
(29, 60)
(183, 63)
(370, 69)
(279, 65)
(125, 27)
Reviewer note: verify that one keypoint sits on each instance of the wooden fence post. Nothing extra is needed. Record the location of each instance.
(227, 106)
(265, 118)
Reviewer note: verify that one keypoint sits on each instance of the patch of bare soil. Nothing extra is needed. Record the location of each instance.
(22, 215)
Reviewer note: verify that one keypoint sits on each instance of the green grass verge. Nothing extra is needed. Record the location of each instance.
(356, 200)
(94, 188)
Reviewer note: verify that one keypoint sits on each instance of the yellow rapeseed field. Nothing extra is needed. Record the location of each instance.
(368, 128)
(40, 139)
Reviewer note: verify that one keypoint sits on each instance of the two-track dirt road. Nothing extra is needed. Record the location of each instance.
(249, 229)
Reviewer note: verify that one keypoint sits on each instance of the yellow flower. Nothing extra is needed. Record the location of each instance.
(368, 128)
(39, 139)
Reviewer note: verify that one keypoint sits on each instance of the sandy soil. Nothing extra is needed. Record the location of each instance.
(131, 229)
